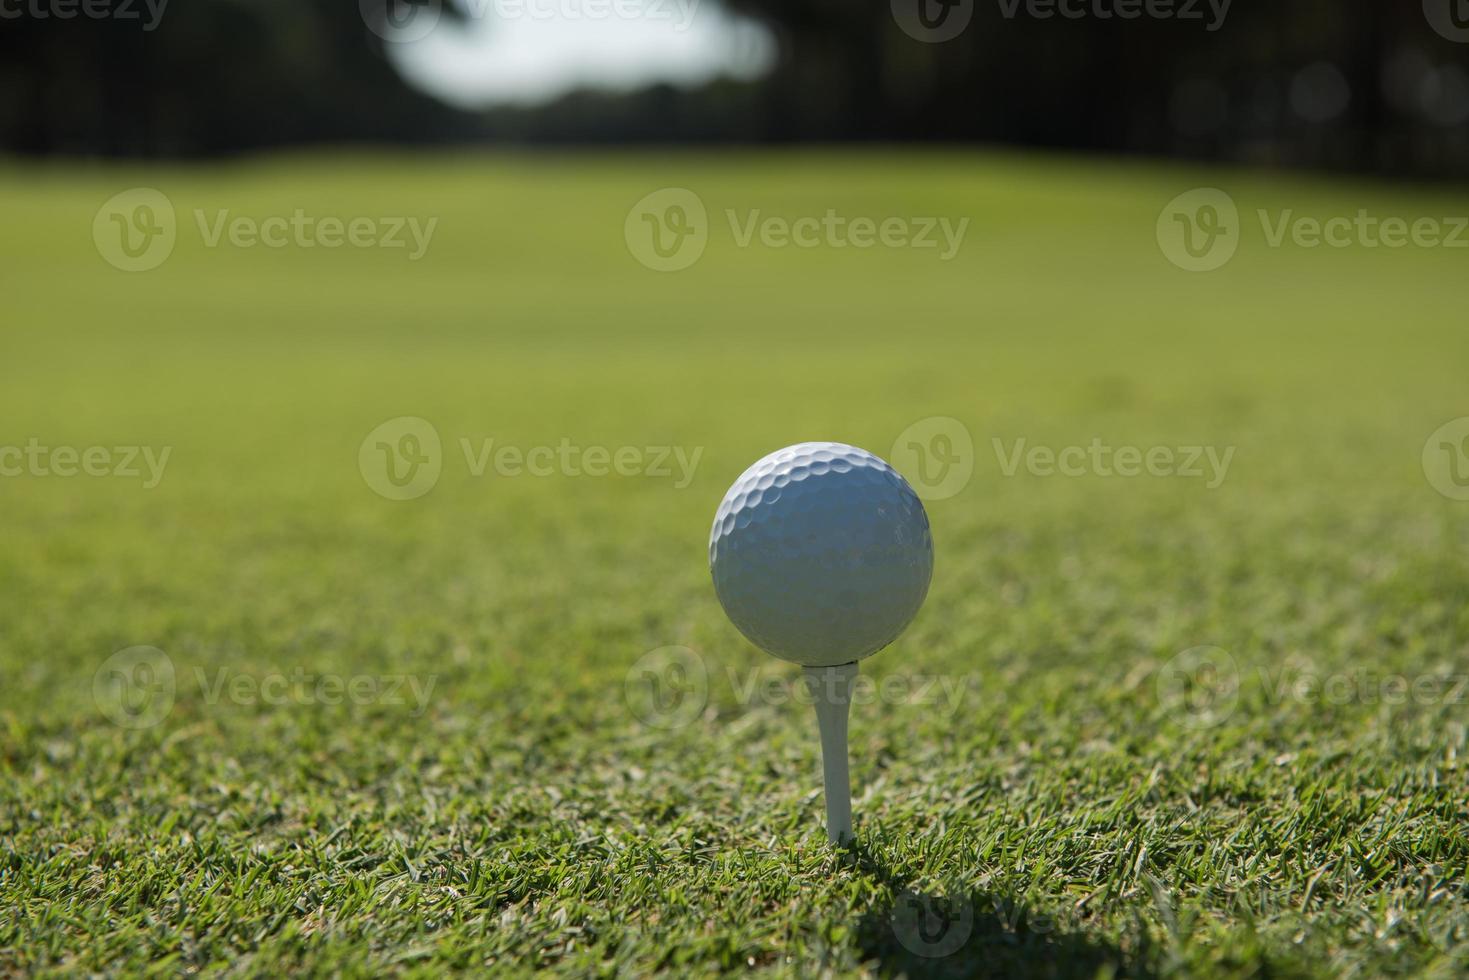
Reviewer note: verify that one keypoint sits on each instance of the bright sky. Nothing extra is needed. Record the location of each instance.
(528, 52)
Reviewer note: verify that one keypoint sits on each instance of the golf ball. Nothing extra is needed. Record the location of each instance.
(821, 554)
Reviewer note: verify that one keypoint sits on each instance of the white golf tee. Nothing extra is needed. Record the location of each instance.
(831, 692)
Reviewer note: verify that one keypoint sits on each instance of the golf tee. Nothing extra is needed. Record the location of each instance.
(831, 692)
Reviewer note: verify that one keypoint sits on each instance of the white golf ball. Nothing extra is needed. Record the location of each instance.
(821, 554)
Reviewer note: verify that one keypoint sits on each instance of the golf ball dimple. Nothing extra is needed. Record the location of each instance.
(821, 554)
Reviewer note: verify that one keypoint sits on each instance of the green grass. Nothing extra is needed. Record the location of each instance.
(1079, 822)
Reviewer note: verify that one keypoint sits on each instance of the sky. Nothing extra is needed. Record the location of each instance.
(530, 52)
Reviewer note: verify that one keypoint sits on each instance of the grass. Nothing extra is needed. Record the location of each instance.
(1053, 799)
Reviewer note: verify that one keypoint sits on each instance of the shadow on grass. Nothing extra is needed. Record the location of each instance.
(978, 934)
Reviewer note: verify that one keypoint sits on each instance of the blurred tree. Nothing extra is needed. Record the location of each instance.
(205, 77)
(1305, 83)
